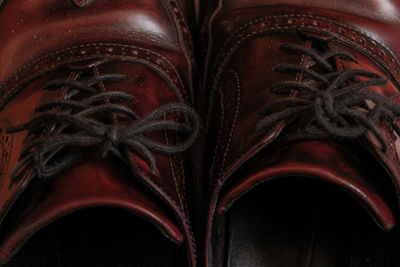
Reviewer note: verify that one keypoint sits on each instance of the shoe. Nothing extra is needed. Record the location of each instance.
(307, 93)
(96, 123)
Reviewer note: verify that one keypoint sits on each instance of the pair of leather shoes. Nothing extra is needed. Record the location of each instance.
(98, 122)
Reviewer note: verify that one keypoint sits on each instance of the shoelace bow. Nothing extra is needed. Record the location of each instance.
(337, 106)
(82, 123)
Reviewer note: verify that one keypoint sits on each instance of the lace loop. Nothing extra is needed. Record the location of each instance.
(86, 122)
(334, 102)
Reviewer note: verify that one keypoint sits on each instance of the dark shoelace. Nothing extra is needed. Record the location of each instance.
(336, 107)
(84, 123)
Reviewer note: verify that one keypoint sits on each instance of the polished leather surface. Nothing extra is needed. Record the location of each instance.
(242, 40)
(61, 24)
(147, 41)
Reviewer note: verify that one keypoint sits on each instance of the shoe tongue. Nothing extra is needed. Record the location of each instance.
(100, 183)
(326, 161)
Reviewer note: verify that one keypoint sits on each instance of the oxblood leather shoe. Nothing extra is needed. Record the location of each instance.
(95, 112)
(302, 89)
